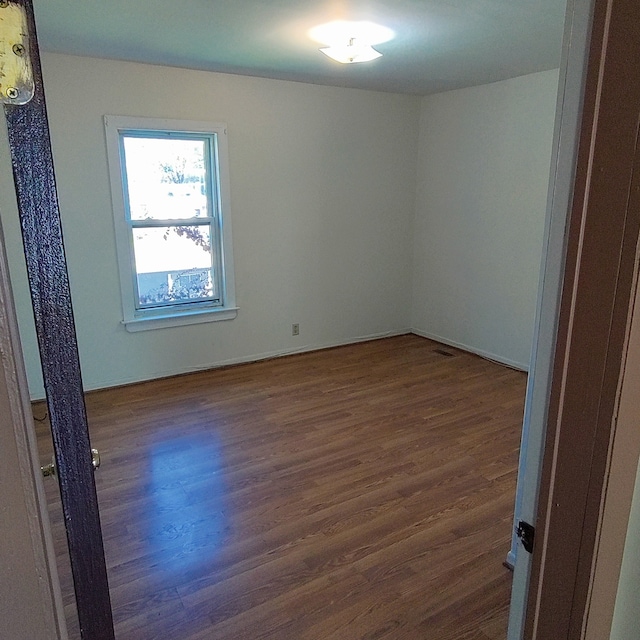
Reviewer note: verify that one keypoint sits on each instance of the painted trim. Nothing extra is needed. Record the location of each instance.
(268, 355)
(603, 232)
(520, 366)
(197, 316)
(565, 140)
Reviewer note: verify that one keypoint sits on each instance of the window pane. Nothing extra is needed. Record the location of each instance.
(173, 265)
(165, 178)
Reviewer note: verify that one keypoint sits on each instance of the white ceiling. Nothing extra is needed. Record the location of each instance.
(439, 44)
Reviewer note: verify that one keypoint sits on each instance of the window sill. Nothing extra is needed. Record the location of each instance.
(180, 319)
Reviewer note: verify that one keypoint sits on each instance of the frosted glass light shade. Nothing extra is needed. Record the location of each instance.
(351, 52)
(340, 32)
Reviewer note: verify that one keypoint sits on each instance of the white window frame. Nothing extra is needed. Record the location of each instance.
(196, 312)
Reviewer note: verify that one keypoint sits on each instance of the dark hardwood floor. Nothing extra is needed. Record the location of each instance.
(362, 492)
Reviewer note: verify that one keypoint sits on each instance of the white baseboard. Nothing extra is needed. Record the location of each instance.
(107, 384)
(520, 366)
(268, 355)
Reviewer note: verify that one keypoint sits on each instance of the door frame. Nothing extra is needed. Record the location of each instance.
(594, 322)
(32, 163)
(571, 83)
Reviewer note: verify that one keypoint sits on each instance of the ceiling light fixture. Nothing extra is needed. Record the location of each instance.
(349, 42)
(353, 51)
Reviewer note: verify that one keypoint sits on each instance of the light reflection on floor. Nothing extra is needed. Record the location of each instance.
(188, 522)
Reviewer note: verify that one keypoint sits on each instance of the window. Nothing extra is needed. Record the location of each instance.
(170, 191)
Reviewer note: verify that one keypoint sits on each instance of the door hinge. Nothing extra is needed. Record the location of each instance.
(527, 533)
(17, 85)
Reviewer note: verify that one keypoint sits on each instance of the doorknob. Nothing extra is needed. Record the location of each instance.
(50, 469)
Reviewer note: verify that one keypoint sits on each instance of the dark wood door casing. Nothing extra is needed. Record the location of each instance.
(32, 162)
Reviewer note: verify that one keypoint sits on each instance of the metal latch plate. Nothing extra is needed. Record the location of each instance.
(527, 533)
(16, 75)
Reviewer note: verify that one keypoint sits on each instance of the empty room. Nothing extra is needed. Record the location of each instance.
(271, 297)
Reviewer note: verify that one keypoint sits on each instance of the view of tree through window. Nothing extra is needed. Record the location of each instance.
(168, 188)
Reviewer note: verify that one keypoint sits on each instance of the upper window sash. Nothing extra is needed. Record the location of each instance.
(210, 160)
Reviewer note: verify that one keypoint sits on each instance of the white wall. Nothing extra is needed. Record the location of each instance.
(322, 195)
(331, 229)
(483, 171)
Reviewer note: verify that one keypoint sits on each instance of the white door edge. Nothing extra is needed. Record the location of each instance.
(565, 142)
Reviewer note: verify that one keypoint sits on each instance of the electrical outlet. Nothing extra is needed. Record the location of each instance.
(295, 329)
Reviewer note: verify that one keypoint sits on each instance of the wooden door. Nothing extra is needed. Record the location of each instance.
(30, 597)
(32, 163)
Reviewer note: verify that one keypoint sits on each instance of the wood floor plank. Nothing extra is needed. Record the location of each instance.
(361, 492)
